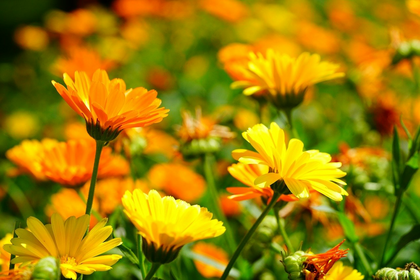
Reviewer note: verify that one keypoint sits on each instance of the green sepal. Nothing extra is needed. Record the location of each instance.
(47, 268)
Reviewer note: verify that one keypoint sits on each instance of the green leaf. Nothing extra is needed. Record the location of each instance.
(396, 160)
(412, 235)
(405, 128)
(129, 254)
(348, 227)
(410, 169)
(414, 145)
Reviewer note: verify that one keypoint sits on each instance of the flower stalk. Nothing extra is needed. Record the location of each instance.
(280, 223)
(249, 235)
(99, 147)
(152, 271)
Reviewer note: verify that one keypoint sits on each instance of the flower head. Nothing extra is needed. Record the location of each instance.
(66, 240)
(301, 171)
(107, 106)
(70, 163)
(285, 79)
(317, 266)
(247, 173)
(167, 224)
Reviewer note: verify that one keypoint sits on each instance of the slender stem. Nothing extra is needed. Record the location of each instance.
(94, 212)
(280, 223)
(152, 271)
(140, 255)
(293, 131)
(20, 199)
(214, 197)
(249, 235)
(99, 146)
(359, 252)
(394, 216)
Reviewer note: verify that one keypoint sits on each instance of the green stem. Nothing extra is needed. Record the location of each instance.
(249, 235)
(214, 197)
(394, 216)
(280, 223)
(412, 209)
(18, 196)
(359, 252)
(152, 271)
(293, 131)
(140, 255)
(99, 146)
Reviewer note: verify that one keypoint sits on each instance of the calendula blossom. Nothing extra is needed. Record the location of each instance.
(166, 224)
(301, 171)
(78, 252)
(342, 272)
(108, 106)
(285, 79)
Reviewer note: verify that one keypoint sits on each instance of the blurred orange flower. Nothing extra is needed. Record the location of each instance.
(247, 173)
(70, 163)
(215, 254)
(81, 58)
(107, 106)
(28, 155)
(359, 156)
(230, 208)
(76, 130)
(317, 39)
(108, 192)
(60, 204)
(177, 180)
(32, 38)
(163, 8)
(228, 10)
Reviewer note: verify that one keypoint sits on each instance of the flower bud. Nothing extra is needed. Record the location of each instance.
(47, 269)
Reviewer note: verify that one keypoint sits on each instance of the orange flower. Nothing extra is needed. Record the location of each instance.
(109, 192)
(178, 181)
(27, 156)
(317, 266)
(201, 127)
(217, 255)
(81, 58)
(359, 156)
(228, 10)
(235, 58)
(70, 163)
(317, 39)
(60, 204)
(247, 173)
(32, 38)
(76, 130)
(107, 106)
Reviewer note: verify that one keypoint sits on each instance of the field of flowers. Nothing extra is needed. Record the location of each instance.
(210, 139)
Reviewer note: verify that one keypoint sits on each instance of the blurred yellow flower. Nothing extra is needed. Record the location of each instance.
(214, 253)
(66, 240)
(70, 163)
(341, 272)
(300, 171)
(177, 180)
(32, 38)
(284, 79)
(21, 125)
(167, 224)
(107, 106)
(28, 155)
(5, 256)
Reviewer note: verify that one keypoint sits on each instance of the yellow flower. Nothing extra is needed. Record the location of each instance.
(107, 106)
(285, 79)
(5, 256)
(341, 272)
(300, 170)
(167, 224)
(66, 240)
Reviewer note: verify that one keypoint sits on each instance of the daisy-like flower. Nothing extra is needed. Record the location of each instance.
(247, 173)
(166, 224)
(301, 171)
(285, 79)
(28, 155)
(342, 272)
(107, 106)
(5, 256)
(66, 240)
(70, 163)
